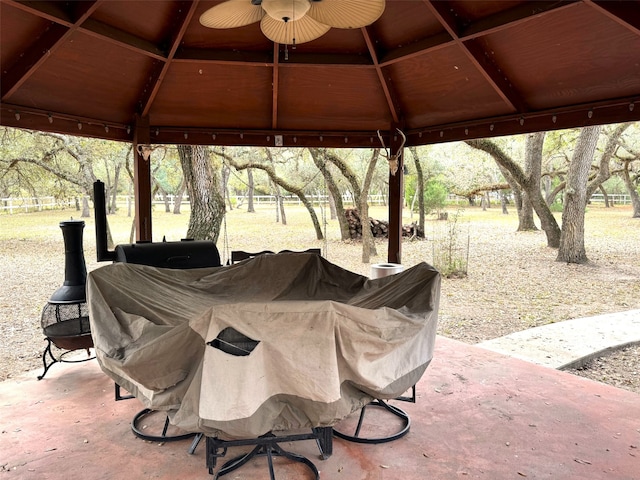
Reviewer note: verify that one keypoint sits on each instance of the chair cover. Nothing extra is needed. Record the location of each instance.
(320, 341)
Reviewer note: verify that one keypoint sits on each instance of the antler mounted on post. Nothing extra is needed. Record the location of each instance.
(393, 159)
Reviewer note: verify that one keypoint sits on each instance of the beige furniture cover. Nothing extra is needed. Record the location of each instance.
(328, 340)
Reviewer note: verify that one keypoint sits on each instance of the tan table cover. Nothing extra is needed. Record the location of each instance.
(329, 340)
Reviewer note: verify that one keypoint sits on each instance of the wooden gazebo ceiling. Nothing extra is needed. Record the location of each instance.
(438, 70)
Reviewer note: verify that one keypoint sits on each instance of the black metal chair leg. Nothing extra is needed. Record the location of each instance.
(406, 425)
(156, 438)
(195, 443)
(267, 445)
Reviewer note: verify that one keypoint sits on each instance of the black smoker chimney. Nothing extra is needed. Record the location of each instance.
(75, 269)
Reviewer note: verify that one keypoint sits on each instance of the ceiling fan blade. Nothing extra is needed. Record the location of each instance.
(346, 13)
(302, 30)
(232, 14)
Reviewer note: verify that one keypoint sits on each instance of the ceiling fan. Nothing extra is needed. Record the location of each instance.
(291, 22)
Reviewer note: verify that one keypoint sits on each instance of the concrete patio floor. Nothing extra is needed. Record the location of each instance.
(479, 414)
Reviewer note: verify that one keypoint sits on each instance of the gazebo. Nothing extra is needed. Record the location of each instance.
(431, 71)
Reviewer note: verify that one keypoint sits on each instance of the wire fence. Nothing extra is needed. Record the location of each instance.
(14, 205)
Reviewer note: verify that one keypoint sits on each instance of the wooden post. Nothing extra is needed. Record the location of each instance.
(396, 201)
(142, 181)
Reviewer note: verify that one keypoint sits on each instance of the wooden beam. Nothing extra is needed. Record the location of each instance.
(275, 85)
(142, 181)
(513, 17)
(45, 45)
(479, 58)
(491, 24)
(396, 200)
(389, 94)
(115, 36)
(182, 18)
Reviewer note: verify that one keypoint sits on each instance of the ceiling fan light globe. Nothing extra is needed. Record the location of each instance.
(286, 10)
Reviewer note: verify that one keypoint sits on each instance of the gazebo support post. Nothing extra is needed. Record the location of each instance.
(142, 180)
(396, 201)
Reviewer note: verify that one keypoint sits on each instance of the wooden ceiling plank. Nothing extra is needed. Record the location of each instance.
(478, 57)
(620, 12)
(182, 19)
(389, 95)
(43, 47)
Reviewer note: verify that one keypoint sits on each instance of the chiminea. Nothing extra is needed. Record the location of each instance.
(65, 318)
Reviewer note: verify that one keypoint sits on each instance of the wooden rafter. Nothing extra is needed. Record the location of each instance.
(47, 44)
(276, 84)
(392, 102)
(478, 57)
(182, 19)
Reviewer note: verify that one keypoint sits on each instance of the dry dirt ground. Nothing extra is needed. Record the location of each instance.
(513, 283)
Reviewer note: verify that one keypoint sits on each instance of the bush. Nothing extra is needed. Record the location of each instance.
(435, 196)
(450, 247)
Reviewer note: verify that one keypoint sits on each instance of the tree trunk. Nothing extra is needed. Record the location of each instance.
(226, 173)
(279, 204)
(534, 143)
(165, 199)
(368, 243)
(177, 204)
(526, 222)
(250, 208)
(528, 183)
(114, 193)
(605, 195)
(332, 207)
(276, 195)
(283, 214)
(517, 194)
(419, 187)
(279, 199)
(203, 185)
(320, 161)
(503, 201)
(85, 207)
(575, 199)
(631, 189)
(604, 173)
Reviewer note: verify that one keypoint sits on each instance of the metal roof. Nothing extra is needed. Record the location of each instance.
(438, 70)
